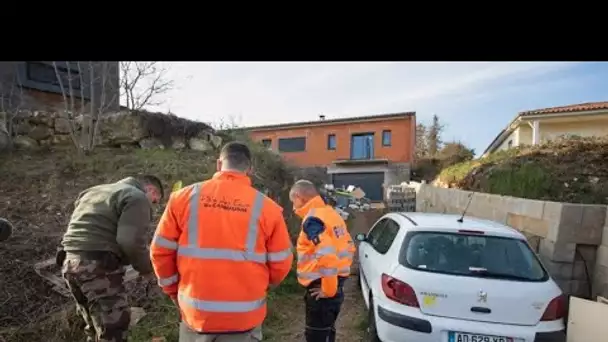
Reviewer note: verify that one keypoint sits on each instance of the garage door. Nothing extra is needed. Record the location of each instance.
(370, 182)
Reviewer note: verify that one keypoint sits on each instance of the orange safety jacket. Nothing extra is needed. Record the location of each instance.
(328, 254)
(218, 246)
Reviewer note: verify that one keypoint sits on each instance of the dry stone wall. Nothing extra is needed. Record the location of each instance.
(568, 237)
(33, 129)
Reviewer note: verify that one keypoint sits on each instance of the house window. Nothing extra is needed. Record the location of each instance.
(386, 138)
(267, 143)
(292, 144)
(510, 143)
(331, 142)
(45, 73)
(362, 146)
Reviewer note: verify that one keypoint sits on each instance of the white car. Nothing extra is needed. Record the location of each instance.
(436, 278)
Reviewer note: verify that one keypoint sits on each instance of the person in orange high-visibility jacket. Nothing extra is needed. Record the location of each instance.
(325, 255)
(217, 248)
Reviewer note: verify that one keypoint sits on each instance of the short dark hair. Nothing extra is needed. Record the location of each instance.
(154, 181)
(237, 155)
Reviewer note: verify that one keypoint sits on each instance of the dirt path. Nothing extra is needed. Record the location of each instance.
(288, 325)
(288, 322)
(352, 324)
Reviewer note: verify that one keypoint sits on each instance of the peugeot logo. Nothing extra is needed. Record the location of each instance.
(482, 297)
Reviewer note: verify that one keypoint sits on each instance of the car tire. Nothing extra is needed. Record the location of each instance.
(372, 332)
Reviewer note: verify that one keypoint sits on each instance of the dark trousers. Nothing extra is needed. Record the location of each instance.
(321, 314)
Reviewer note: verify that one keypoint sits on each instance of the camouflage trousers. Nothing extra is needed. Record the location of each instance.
(100, 297)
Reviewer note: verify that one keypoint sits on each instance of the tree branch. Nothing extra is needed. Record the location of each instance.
(142, 82)
(65, 102)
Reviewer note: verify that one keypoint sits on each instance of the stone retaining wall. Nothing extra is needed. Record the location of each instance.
(566, 236)
(32, 129)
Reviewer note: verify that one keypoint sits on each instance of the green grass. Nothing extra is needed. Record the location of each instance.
(38, 190)
(363, 323)
(457, 172)
(510, 175)
(526, 181)
(565, 170)
(281, 300)
(163, 319)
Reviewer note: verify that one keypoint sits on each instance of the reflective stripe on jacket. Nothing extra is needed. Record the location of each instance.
(331, 253)
(217, 247)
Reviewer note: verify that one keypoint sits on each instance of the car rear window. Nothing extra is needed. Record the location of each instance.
(471, 255)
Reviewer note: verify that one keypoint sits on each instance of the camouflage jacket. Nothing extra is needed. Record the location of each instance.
(112, 217)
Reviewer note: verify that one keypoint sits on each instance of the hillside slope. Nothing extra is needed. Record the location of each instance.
(567, 170)
(37, 194)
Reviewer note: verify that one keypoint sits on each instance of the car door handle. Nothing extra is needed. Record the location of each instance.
(365, 255)
(481, 310)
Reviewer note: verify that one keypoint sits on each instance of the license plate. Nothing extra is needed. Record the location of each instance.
(466, 337)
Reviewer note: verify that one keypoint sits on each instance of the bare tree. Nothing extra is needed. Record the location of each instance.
(231, 122)
(142, 82)
(421, 148)
(86, 109)
(11, 102)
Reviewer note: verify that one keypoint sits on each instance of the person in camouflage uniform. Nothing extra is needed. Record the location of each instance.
(106, 232)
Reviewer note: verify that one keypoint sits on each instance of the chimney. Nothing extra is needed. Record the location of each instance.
(321, 117)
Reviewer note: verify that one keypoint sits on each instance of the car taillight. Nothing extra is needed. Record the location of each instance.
(556, 309)
(399, 291)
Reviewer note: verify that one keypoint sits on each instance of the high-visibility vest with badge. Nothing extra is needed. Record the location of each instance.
(217, 247)
(332, 255)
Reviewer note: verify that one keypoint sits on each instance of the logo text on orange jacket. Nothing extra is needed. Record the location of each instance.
(230, 204)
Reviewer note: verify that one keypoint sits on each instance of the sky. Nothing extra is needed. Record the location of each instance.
(473, 100)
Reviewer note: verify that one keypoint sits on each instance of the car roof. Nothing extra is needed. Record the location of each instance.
(449, 223)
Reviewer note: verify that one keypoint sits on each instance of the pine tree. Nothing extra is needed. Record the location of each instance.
(434, 137)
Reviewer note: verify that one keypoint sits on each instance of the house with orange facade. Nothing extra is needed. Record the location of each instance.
(370, 152)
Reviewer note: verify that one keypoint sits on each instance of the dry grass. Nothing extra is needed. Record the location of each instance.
(566, 170)
(38, 189)
(37, 196)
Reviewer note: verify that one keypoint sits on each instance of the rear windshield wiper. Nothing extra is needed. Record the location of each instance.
(480, 271)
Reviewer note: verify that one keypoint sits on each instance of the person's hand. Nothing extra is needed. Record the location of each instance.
(316, 293)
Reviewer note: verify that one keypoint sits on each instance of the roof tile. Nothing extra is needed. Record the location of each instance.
(581, 107)
(331, 121)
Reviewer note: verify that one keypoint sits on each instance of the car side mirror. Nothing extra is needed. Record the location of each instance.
(360, 237)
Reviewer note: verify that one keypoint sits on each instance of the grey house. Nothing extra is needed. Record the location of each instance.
(34, 85)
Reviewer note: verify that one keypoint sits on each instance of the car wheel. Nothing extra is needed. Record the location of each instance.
(372, 332)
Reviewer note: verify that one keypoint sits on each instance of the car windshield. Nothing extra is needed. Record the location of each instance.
(472, 255)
